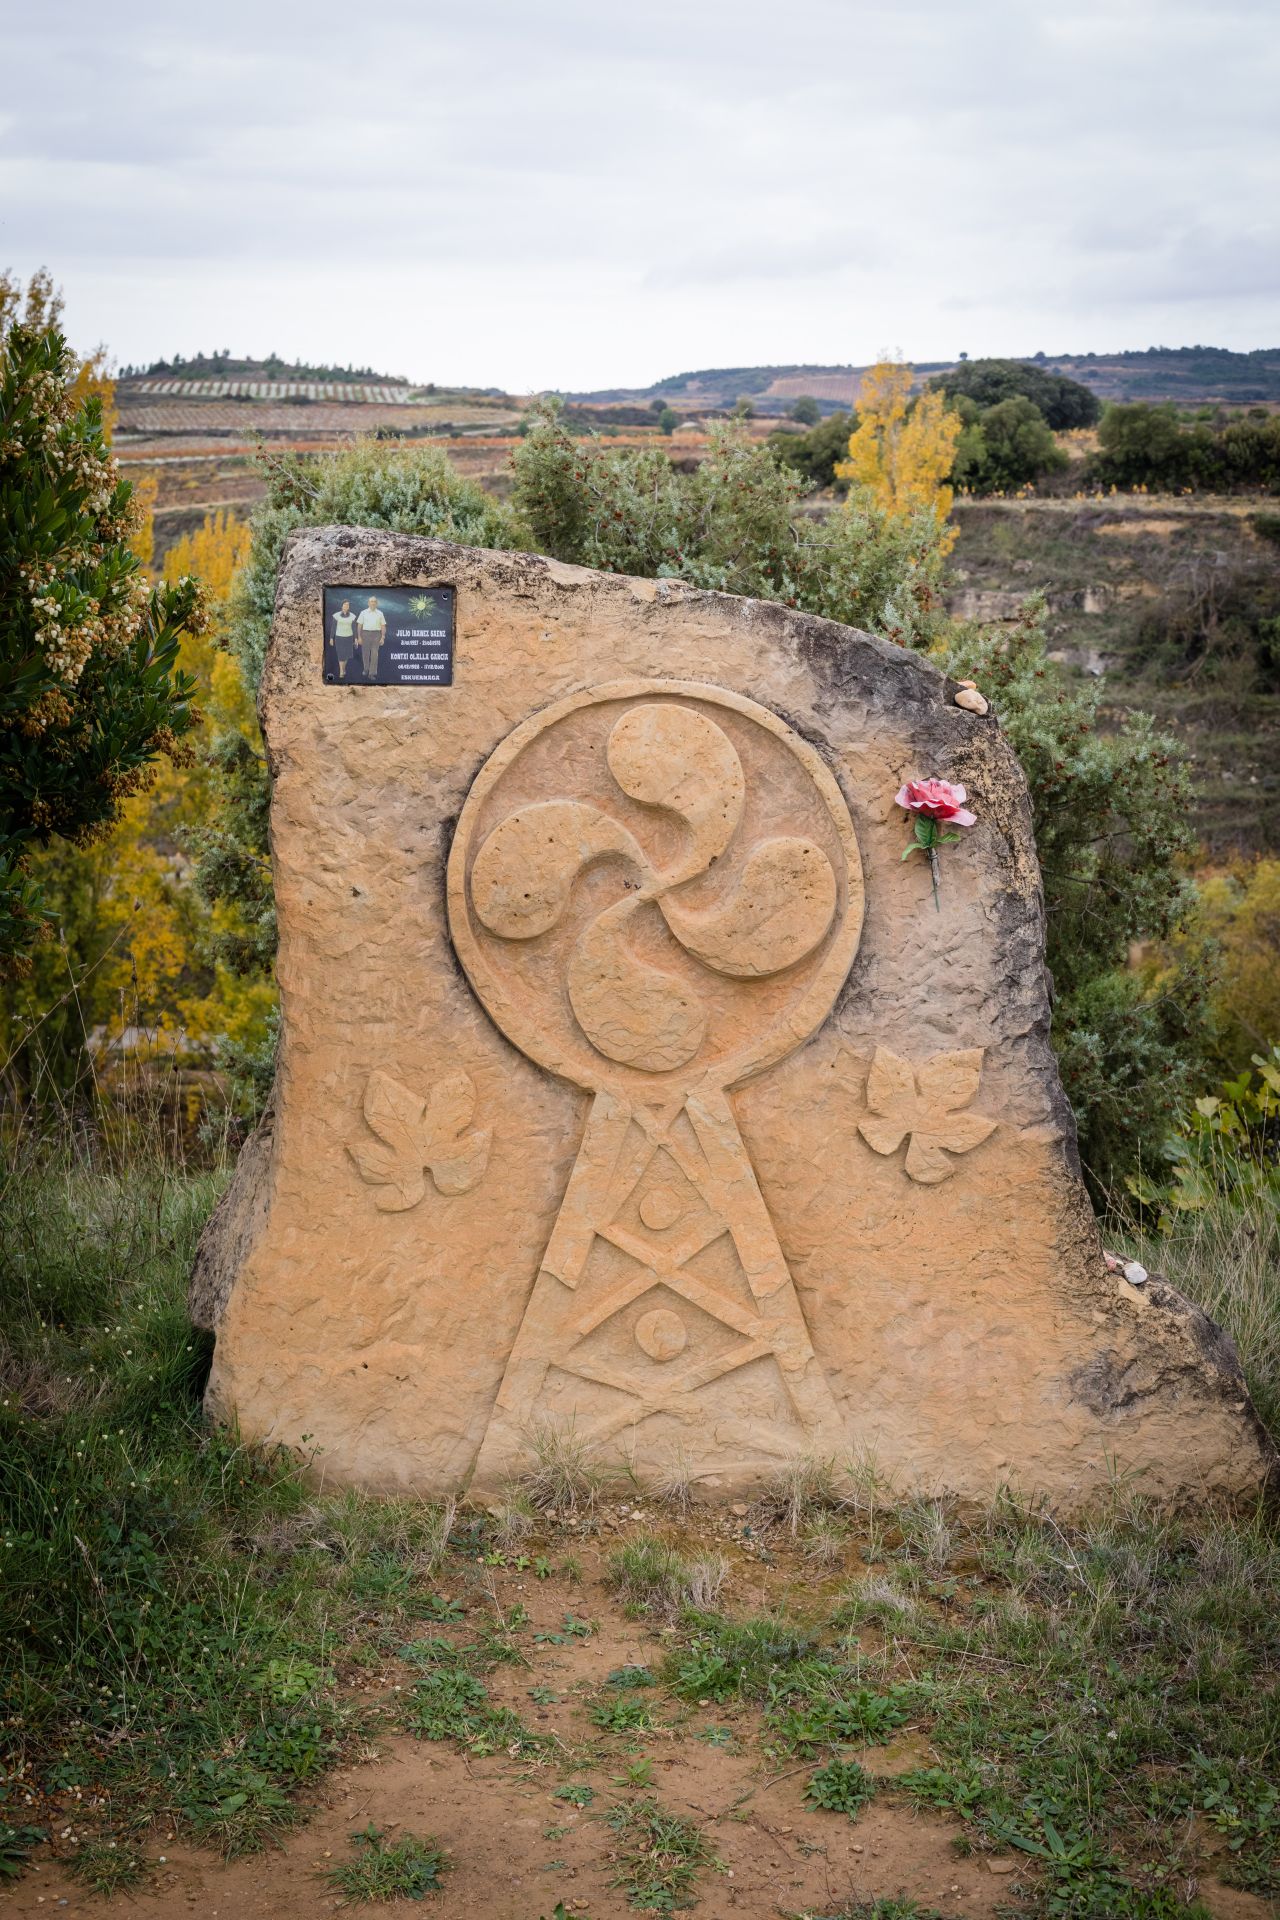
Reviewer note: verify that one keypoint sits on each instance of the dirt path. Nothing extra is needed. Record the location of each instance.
(518, 1846)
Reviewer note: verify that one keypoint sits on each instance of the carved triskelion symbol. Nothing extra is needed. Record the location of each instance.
(681, 919)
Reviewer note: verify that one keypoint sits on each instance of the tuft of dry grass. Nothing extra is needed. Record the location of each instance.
(799, 1490)
(565, 1478)
(650, 1573)
(674, 1481)
(1226, 1257)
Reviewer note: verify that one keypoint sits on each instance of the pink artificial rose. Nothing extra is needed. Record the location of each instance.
(936, 800)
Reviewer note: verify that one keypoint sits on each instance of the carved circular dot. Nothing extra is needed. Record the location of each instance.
(661, 1208)
(661, 1334)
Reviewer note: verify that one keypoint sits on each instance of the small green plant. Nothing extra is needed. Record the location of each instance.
(621, 1716)
(438, 1606)
(405, 1869)
(831, 1718)
(842, 1786)
(570, 1628)
(629, 1677)
(16, 1847)
(450, 1703)
(108, 1866)
(575, 1794)
(661, 1854)
(638, 1774)
(732, 1659)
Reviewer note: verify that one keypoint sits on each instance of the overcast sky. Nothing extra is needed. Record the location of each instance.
(577, 193)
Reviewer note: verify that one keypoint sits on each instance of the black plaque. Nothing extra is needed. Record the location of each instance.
(389, 636)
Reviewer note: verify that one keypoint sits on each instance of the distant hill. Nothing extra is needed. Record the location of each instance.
(221, 366)
(1190, 376)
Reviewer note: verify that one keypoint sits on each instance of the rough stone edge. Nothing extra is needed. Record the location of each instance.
(233, 1226)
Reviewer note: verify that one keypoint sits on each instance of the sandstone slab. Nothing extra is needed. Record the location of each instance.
(632, 1085)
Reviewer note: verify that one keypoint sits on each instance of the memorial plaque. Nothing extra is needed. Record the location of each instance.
(389, 636)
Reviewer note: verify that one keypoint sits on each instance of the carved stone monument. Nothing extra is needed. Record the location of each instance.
(631, 1084)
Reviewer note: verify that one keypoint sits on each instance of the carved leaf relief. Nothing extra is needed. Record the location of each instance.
(414, 1136)
(925, 1105)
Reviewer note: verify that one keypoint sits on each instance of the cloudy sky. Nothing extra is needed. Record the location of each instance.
(573, 193)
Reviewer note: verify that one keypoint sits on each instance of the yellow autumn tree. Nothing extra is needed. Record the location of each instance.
(1239, 912)
(128, 975)
(901, 451)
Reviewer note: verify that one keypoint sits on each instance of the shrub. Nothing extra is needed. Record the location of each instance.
(1111, 812)
(1238, 914)
(1005, 447)
(730, 526)
(815, 455)
(1217, 620)
(1152, 446)
(1062, 403)
(90, 691)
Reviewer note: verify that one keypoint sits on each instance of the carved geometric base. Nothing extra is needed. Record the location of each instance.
(664, 1307)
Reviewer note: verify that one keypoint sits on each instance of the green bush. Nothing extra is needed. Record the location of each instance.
(1062, 403)
(814, 455)
(1111, 809)
(90, 691)
(1154, 447)
(1004, 447)
(730, 526)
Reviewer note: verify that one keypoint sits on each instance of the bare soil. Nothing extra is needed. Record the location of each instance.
(515, 1850)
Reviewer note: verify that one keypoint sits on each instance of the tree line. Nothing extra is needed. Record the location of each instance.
(1010, 414)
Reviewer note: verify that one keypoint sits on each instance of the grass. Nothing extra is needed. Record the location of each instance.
(175, 1607)
(1226, 1257)
(564, 1477)
(408, 1869)
(654, 1577)
(660, 1855)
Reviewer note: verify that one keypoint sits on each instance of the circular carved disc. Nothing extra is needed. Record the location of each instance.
(660, 1208)
(661, 1334)
(655, 886)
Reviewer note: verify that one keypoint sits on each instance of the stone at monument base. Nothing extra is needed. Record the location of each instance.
(631, 1084)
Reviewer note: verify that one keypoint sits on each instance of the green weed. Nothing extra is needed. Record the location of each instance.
(661, 1855)
(842, 1786)
(406, 1869)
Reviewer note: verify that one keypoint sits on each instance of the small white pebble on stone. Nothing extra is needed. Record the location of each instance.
(971, 700)
(1135, 1273)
